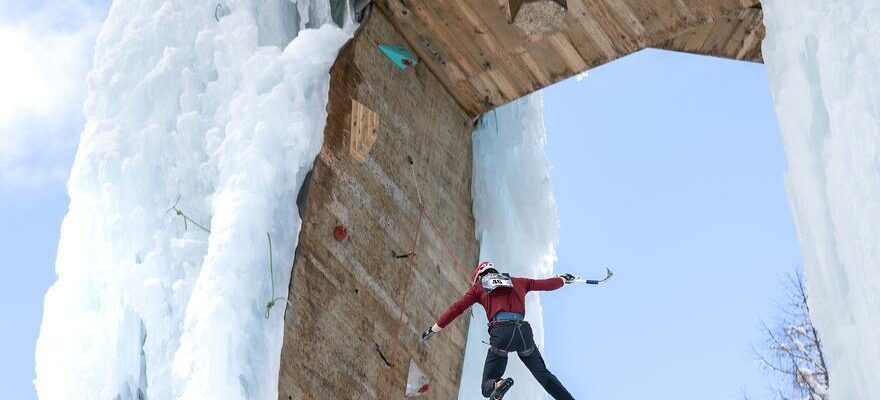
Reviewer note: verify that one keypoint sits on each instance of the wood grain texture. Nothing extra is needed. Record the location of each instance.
(486, 61)
(346, 296)
(363, 132)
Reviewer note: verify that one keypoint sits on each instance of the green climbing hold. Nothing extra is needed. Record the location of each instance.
(400, 55)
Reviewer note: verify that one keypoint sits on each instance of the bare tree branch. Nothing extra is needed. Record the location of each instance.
(793, 347)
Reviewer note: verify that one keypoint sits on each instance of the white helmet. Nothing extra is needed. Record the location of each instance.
(490, 278)
(481, 269)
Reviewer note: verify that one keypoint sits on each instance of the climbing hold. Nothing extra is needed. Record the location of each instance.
(399, 55)
(417, 383)
(364, 122)
(340, 233)
(513, 6)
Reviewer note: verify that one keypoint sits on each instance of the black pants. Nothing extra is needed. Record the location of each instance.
(517, 337)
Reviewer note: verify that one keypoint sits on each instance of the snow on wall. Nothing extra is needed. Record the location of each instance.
(228, 116)
(516, 224)
(824, 66)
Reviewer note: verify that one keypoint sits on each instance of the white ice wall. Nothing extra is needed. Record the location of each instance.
(823, 60)
(516, 224)
(228, 116)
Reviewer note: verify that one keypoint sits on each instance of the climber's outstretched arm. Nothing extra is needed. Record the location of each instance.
(543, 285)
(466, 301)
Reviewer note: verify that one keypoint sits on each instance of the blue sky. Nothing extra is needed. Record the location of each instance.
(47, 50)
(667, 166)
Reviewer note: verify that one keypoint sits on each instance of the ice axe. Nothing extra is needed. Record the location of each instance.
(595, 282)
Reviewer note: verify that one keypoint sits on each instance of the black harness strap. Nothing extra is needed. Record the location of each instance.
(518, 331)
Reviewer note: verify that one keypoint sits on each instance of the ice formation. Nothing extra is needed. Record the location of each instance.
(516, 224)
(822, 58)
(227, 115)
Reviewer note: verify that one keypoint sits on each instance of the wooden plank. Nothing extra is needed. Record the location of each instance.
(551, 60)
(537, 71)
(568, 52)
(508, 92)
(363, 133)
(737, 36)
(410, 27)
(493, 16)
(518, 74)
(751, 49)
(630, 21)
(482, 31)
(487, 90)
(586, 45)
(448, 37)
(660, 16)
(593, 29)
(437, 55)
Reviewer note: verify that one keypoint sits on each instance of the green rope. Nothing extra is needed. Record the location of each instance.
(185, 217)
(273, 299)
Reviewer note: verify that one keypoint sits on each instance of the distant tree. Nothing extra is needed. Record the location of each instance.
(793, 348)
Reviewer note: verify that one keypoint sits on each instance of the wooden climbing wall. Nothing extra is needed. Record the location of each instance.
(346, 295)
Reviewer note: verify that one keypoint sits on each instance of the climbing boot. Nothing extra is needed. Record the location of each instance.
(501, 389)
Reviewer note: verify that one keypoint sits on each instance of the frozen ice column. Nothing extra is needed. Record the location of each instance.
(823, 62)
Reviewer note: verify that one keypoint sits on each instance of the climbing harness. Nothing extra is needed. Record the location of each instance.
(517, 326)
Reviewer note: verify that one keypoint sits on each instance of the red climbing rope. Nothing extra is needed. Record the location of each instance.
(423, 214)
(448, 248)
(410, 264)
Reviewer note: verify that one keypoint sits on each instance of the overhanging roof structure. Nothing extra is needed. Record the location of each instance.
(485, 61)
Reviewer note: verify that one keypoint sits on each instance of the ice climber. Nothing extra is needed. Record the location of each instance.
(503, 298)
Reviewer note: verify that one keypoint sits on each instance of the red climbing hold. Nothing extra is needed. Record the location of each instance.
(417, 383)
(340, 232)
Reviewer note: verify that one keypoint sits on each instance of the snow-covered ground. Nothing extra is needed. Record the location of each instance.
(516, 224)
(823, 60)
(228, 116)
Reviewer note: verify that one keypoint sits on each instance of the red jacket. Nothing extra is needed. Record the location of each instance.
(512, 300)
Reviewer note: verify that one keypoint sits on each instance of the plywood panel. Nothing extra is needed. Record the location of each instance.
(363, 132)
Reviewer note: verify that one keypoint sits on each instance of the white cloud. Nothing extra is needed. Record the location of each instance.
(46, 54)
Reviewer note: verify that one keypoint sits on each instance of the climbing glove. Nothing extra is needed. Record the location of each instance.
(568, 278)
(427, 335)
